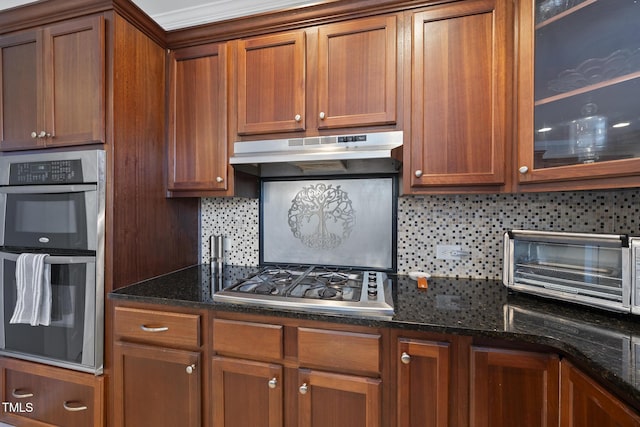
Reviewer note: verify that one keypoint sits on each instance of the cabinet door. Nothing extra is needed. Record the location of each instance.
(271, 83)
(326, 399)
(513, 388)
(74, 82)
(198, 118)
(587, 404)
(357, 73)
(156, 386)
(20, 110)
(579, 84)
(247, 393)
(459, 94)
(423, 383)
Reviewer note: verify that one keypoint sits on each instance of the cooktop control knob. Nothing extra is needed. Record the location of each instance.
(372, 285)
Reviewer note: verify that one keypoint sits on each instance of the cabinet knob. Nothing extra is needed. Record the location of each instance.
(405, 358)
(34, 135)
(190, 368)
(298, 118)
(19, 394)
(219, 179)
(304, 388)
(418, 173)
(322, 115)
(273, 382)
(43, 134)
(523, 169)
(74, 406)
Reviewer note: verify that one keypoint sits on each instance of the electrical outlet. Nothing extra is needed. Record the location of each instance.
(453, 252)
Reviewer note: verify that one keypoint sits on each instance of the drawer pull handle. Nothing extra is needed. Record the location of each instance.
(304, 388)
(405, 358)
(19, 394)
(74, 406)
(154, 329)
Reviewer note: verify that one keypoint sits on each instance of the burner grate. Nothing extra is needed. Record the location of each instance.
(315, 288)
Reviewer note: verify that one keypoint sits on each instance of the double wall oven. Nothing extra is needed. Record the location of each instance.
(54, 203)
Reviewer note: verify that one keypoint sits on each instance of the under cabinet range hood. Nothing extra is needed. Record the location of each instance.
(320, 155)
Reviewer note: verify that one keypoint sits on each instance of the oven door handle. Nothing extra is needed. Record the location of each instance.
(56, 259)
(46, 189)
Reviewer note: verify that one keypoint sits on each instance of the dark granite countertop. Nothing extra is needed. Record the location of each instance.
(602, 343)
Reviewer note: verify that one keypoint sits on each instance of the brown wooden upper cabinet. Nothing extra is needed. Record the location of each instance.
(343, 75)
(197, 132)
(579, 84)
(53, 85)
(271, 83)
(459, 96)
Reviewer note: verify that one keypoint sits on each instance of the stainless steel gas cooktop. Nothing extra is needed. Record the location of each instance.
(316, 289)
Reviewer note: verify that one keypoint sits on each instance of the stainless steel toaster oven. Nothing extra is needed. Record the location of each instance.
(590, 269)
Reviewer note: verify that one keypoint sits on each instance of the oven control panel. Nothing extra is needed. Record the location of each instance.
(46, 172)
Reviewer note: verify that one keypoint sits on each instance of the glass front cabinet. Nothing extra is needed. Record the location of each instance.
(579, 92)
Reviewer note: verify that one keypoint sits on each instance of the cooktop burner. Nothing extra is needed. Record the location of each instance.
(314, 288)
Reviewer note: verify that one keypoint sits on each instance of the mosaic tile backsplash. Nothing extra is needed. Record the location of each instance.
(474, 222)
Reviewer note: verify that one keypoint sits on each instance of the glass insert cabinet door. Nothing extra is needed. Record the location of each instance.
(579, 89)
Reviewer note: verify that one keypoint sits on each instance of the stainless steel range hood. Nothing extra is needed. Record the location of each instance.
(322, 155)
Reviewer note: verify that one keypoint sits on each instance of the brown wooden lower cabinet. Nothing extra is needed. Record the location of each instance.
(513, 388)
(423, 383)
(338, 400)
(156, 386)
(247, 393)
(40, 395)
(586, 404)
(274, 372)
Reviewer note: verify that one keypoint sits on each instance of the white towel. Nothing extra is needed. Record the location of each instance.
(33, 284)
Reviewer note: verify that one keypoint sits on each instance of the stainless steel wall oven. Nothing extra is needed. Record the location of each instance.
(53, 203)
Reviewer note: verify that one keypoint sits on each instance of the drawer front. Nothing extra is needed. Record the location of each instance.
(158, 327)
(49, 400)
(337, 350)
(246, 339)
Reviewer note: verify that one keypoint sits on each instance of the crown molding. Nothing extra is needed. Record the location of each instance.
(221, 10)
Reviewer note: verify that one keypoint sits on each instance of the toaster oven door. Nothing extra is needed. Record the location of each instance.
(591, 269)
